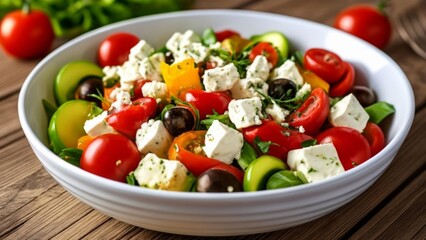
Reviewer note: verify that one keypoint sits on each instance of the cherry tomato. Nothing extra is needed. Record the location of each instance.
(352, 147)
(115, 49)
(137, 88)
(326, 64)
(222, 35)
(313, 112)
(129, 119)
(366, 22)
(342, 87)
(264, 49)
(112, 156)
(375, 137)
(26, 34)
(207, 102)
(185, 148)
(281, 139)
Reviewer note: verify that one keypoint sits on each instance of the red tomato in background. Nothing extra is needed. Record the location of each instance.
(207, 102)
(115, 49)
(129, 119)
(222, 35)
(352, 147)
(366, 22)
(326, 64)
(313, 112)
(264, 49)
(282, 139)
(26, 34)
(375, 137)
(112, 156)
(342, 87)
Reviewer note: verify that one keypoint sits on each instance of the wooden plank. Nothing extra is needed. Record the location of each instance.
(401, 218)
(9, 113)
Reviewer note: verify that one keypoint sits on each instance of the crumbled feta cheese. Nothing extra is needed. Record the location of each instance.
(98, 126)
(305, 89)
(248, 88)
(155, 90)
(348, 112)
(140, 51)
(110, 73)
(277, 113)
(245, 112)
(289, 71)
(158, 173)
(220, 78)
(223, 143)
(259, 68)
(153, 137)
(128, 72)
(180, 41)
(149, 68)
(317, 162)
(121, 98)
(196, 51)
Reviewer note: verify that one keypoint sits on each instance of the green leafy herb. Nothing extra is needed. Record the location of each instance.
(309, 143)
(297, 57)
(131, 179)
(264, 145)
(379, 111)
(224, 118)
(248, 154)
(208, 37)
(71, 155)
(240, 61)
(49, 108)
(284, 179)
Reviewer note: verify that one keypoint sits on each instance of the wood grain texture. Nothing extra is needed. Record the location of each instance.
(34, 206)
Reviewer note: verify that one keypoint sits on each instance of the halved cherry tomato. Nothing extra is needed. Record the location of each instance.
(186, 148)
(129, 119)
(115, 49)
(326, 64)
(342, 87)
(313, 112)
(137, 88)
(222, 35)
(264, 49)
(112, 156)
(375, 137)
(281, 139)
(352, 147)
(207, 102)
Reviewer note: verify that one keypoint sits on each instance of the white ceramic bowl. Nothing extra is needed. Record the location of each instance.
(220, 214)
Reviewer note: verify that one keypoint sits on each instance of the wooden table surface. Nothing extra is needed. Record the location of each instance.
(34, 206)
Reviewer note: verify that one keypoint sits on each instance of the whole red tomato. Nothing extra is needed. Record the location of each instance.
(366, 22)
(26, 34)
(324, 63)
(112, 156)
(351, 146)
(207, 102)
(115, 49)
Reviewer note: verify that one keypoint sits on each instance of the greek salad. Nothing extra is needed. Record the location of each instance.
(213, 112)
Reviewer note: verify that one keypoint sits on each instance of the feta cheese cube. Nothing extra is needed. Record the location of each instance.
(157, 173)
(155, 90)
(348, 112)
(140, 51)
(289, 71)
(248, 87)
(317, 162)
(259, 68)
(153, 137)
(98, 126)
(223, 143)
(245, 112)
(220, 78)
(277, 113)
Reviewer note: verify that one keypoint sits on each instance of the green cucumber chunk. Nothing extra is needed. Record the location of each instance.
(260, 170)
(66, 124)
(69, 77)
(277, 39)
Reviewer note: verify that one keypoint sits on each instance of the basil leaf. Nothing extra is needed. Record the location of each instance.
(208, 37)
(283, 179)
(71, 155)
(264, 145)
(248, 154)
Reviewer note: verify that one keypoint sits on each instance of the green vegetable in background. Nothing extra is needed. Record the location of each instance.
(73, 17)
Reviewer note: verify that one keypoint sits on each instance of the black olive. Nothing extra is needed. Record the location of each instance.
(282, 88)
(217, 180)
(169, 59)
(365, 95)
(178, 120)
(90, 85)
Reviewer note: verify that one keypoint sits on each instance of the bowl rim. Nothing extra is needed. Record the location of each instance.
(124, 188)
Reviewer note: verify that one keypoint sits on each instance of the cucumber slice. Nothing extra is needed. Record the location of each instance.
(277, 39)
(260, 170)
(70, 76)
(66, 124)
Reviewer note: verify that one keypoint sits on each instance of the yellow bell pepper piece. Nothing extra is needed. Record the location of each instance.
(180, 76)
(315, 81)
